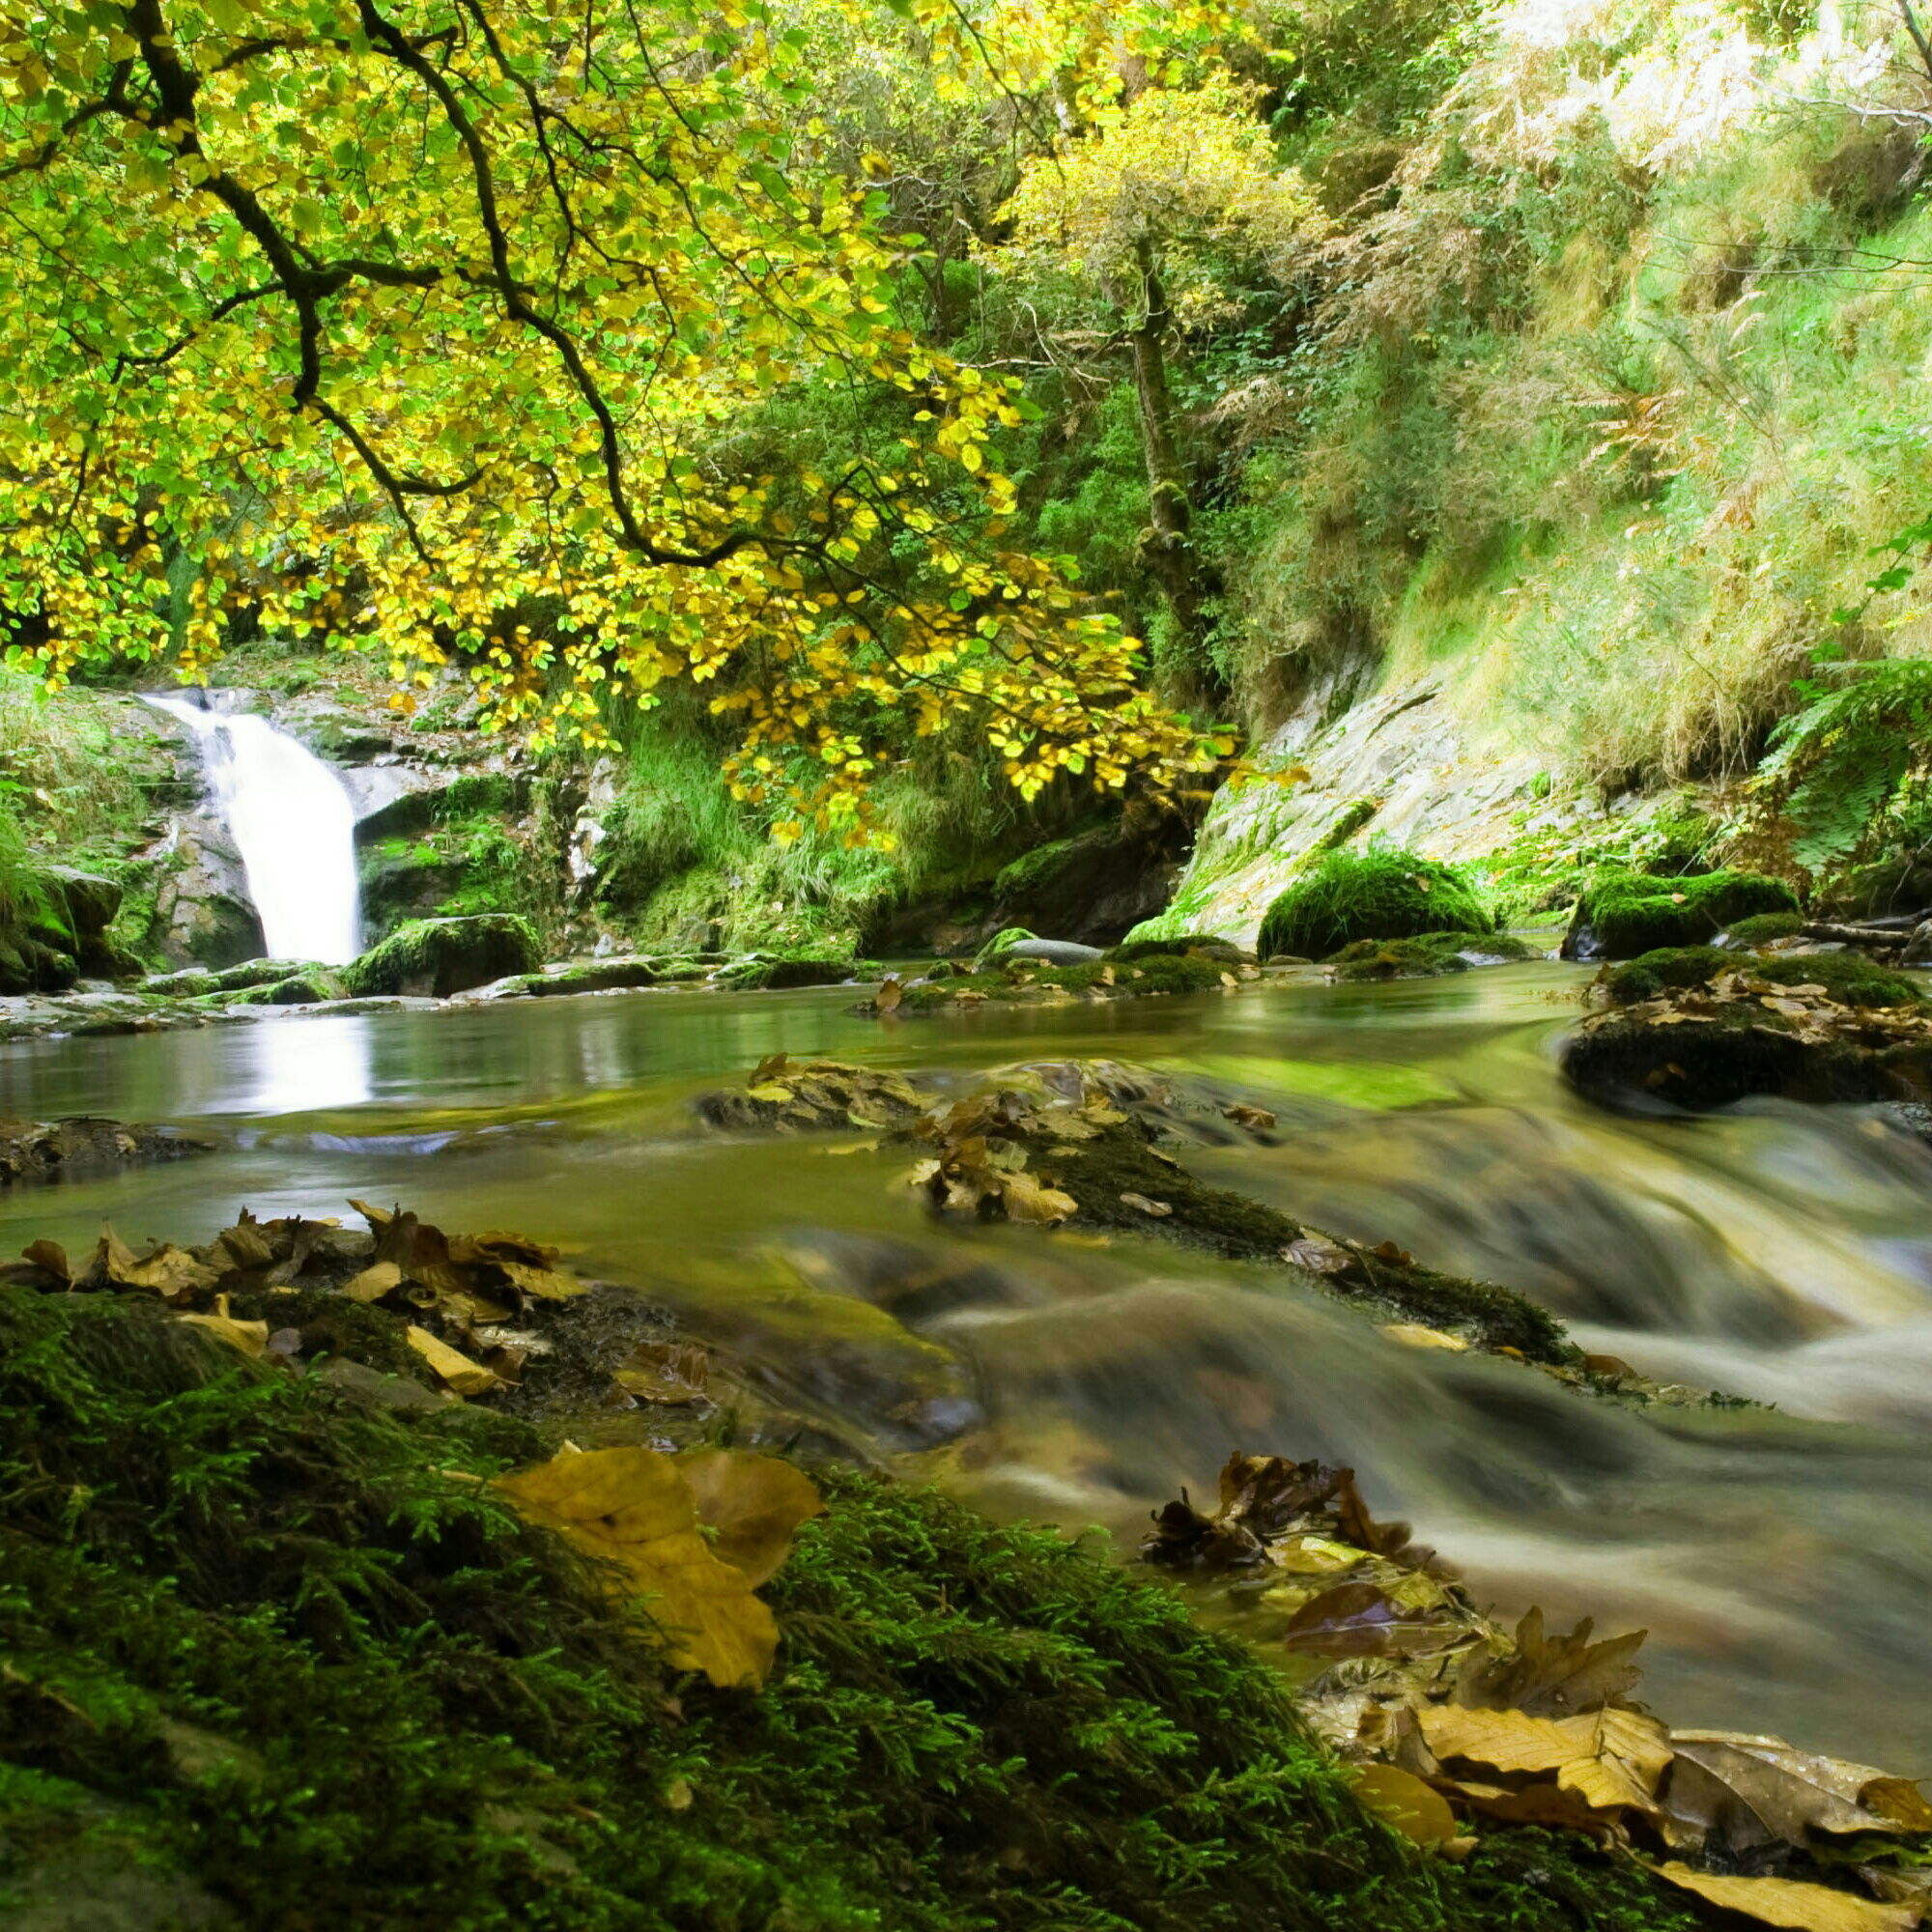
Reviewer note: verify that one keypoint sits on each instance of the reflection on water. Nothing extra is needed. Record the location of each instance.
(1781, 1558)
(302, 1067)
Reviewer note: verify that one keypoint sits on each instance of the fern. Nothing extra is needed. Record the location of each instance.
(1849, 769)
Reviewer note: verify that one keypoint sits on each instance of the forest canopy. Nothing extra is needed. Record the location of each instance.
(516, 334)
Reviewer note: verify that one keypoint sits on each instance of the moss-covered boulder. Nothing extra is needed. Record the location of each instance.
(367, 1692)
(1762, 929)
(762, 972)
(1204, 945)
(1620, 915)
(1015, 942)
(1696, 1027)
(1382, 893)
(442, 957)
(1428, 956)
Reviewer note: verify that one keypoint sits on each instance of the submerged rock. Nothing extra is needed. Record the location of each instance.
(45, 1149)
(783, 1095)
(1017, 943)
(1427, 955)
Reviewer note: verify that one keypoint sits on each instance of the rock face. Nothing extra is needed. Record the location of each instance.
(203, 913)
(442, 957)
(58, 934)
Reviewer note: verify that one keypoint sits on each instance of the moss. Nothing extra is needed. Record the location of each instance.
(1384, 892)
(312, 1671)
(757, 973)
(1761, 929)
(1024, 982)
(1425, 956)
(1207, 945)
(1621, 915)
(1849, 978)
(442, 957)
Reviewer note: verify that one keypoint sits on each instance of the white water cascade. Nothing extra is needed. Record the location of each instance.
(293, 824)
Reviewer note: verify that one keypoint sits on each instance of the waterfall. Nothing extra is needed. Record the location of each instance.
(293, 824)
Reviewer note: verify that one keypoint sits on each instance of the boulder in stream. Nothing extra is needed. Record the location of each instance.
(441, 956)
(1696, 1027)
(1622, 914)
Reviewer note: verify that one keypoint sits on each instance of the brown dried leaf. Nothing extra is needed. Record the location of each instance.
(251, 1337)
(1899, 1799)
(1754, 1790)
(1609, 1758)
(1033, 1205)
(1553, 1676)
(1257, 1120)
(1158, 1209)
(670, 1372)
(545, 1283)
(1784, 1901)
(890, 992)
(375, 1281)
(1318, 1255)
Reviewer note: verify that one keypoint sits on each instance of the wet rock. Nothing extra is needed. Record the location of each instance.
(45, 1149)
(812, 1097)
(1621, 915)
(1695, 1027)
(441, 956)
(1017, 943)
(759, 974)
(203, 913)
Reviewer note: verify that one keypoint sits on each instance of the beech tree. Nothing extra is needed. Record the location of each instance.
(401, 320)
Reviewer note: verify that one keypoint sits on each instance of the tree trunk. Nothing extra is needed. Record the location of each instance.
(1168, 545)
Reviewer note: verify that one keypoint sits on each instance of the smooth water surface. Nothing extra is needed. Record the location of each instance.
(1781, 1558)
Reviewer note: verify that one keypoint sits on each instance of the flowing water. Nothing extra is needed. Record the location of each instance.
(295, 826)
(1781, 1557)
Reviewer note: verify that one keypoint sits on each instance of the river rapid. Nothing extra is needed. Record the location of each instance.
(1780, 1557)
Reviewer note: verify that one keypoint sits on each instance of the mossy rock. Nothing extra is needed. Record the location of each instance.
(1848, 978)
(761, 975)
(1383, 893)
(1621, 915)
(29, 965)
(1762, 929)
(196, 981)
(299, 989)
(363, 1692)
(442, 957)
(595, 975)
(1205, 944)
(1428, 956)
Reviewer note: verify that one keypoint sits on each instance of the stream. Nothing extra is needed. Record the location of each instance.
(1780, 1557)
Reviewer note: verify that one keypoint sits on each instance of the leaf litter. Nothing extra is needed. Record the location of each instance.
(1444, 1712)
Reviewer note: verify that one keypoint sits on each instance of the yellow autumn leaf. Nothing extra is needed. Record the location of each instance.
(373, 1282)
(1801, 1908)
(751, 1504)
(1404, 1803)
(453, 1368)
(251, 1337)
(1609, 1758)
(635, 1508)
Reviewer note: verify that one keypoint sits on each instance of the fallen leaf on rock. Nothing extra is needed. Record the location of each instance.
(636, 1509)
(1032, 1204)
(1415, 1335)
(547, 1284)
(1318, 1255)
(752, 1504)
(1403, 1801)
(670, 1372)
(1545, 1805)
(1611, 1759)
(453, 1368)
(1257, 1120)
(375, 1281)
(1551, 1676)
(49, 1255)
(1746, 1790)
(890, 992)
(1140, 1203)
(251, 1337)
(1387, 1251)
(1354, 1620)
(1899, 1799)
(1784, 1901)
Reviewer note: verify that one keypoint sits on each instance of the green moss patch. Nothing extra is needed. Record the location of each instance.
(1428, 956)
(1026, 983)
(1383, 893)
(1621, 915)
(289, 1659)
(1849, 978)
(442, 957)
(1761, 929)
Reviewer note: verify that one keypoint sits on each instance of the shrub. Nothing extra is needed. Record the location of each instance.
(1383, 893)
(1621, 915)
